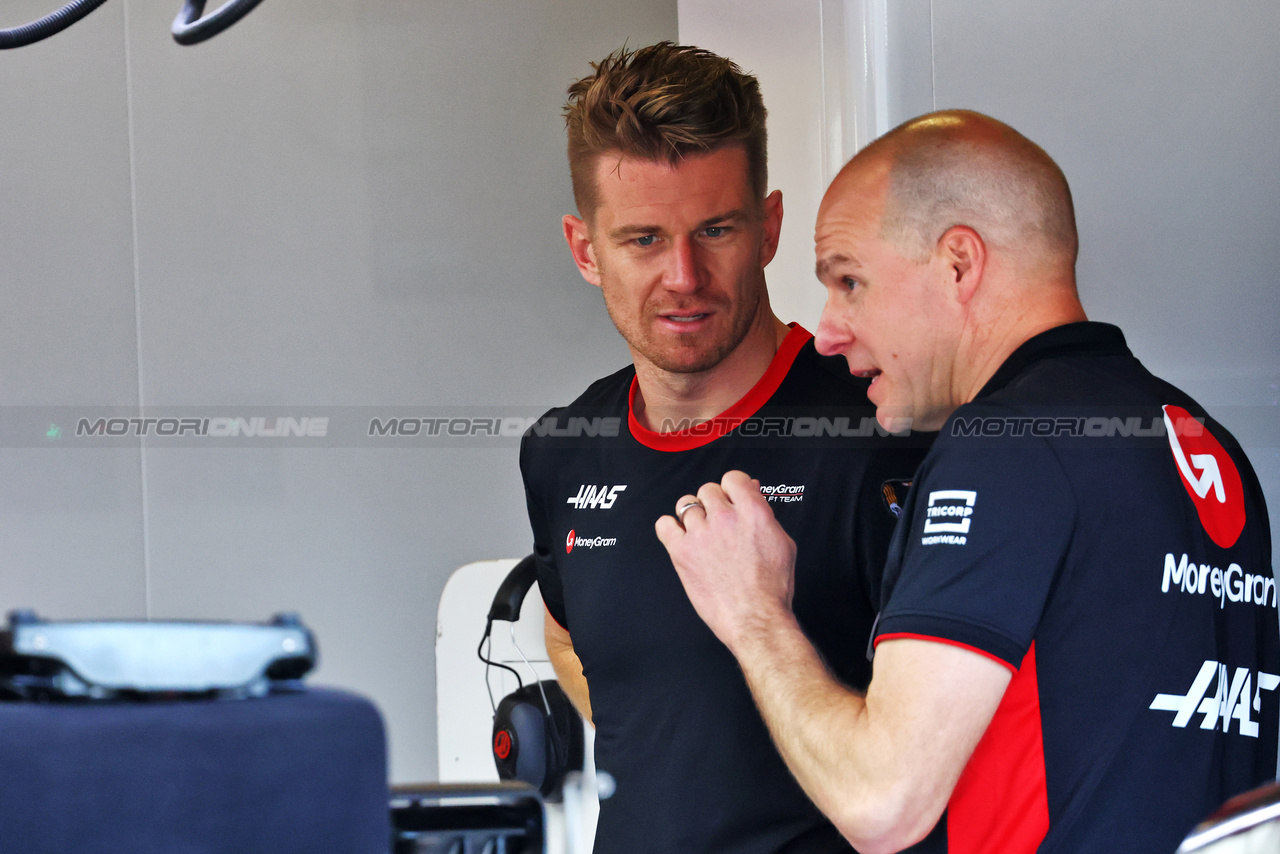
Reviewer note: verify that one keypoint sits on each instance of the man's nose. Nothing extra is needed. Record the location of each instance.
(833, 333)
(684, 273)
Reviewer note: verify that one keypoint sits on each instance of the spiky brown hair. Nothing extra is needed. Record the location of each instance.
(662, 102)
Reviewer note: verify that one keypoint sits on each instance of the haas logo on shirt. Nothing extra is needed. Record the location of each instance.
(1208, 474)
(590, 497)
(1236, 697)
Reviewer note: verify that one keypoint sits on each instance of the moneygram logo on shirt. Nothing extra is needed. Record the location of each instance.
(947, 516)
(591, 497)
(1232, 584)
(574, 541)
(783, 493)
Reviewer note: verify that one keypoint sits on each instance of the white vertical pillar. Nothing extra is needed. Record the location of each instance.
(822, 71)
(855, 48)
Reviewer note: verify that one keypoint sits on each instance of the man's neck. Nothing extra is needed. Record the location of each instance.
(1000, 337)
(667, 402)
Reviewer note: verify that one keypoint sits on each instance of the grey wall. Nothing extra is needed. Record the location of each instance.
(1165, 116)
(341, 210)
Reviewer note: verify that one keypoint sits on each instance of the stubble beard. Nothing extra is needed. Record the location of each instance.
(692, 352)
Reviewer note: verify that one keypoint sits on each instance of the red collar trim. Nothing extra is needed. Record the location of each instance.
(708, 431)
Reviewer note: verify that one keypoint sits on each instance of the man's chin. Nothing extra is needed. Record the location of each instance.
(894, 420)
(692, 365)
(687, 360)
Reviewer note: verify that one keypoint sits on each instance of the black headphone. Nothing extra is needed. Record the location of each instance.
(537, 733)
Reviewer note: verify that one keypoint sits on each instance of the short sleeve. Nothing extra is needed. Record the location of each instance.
(549, 583)
(989, 529)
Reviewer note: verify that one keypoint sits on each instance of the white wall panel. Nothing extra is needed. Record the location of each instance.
(70, 519)
(1164, 116)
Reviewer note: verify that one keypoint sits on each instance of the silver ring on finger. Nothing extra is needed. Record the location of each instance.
(686, 507)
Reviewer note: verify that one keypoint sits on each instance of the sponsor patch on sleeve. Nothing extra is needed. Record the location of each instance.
(948, 516)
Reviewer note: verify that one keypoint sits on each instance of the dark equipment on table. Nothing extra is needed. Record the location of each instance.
(109, 660)
(502, 818)
(166, 736)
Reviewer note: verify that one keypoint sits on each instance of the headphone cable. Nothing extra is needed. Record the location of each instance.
(541, 690)
(487, 664)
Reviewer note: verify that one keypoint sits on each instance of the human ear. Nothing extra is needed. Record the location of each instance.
(578, 235)
(964, 253)
(772, 227)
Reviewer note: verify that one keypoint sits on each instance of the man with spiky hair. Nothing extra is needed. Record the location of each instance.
(675, 226)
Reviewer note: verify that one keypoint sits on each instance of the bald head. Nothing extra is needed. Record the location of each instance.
(959, 167)
(944, 245)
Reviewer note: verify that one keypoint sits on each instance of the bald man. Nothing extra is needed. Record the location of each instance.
(1077, 646)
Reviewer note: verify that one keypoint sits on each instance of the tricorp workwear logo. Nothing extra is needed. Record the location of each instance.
(1209, 475)
(948, 516)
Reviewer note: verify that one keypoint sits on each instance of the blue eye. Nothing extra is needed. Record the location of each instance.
(646, 240)
(715, 231)
(849, 283)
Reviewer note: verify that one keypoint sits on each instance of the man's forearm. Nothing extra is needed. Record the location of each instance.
(803, 706)
(564, 660)
(882, 770)
(882, 767)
